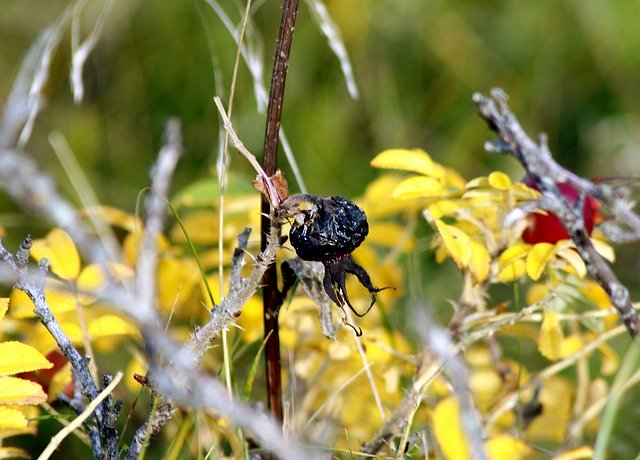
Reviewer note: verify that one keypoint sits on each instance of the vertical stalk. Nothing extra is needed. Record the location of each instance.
(270, 295)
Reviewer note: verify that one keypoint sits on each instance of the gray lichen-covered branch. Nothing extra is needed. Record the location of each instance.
(546, 173)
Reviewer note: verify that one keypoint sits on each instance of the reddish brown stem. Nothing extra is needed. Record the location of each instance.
(270, 295)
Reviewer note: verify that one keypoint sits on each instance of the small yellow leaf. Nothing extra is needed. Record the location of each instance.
(610, 359)
(512, 253)
(12, 419)
(513, 271)
(20, 392)
(90, 283)
(4, 306)
(58, 297)
(512, 264)
(537, 259)
(177, 280)
(406, 160)
(418, 187)
(505, 447)
(571, 344)
(550, 338)
(110, 325)
(479, 263)
(13, 452)
(499, 180)
(574, 259)
(457, 242)
(447, 430)
(579, 453)
(59, 382)
(16, 357)
(390, 234)
(20, 305)
(522, 192)
(114, 217)
(443, 208)
(536, 293)
(63, 256)
(201, 226)
(604, 249)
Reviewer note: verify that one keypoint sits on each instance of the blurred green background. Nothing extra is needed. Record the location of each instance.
(571, 69)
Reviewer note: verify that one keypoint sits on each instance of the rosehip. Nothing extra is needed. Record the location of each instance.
(329, 232)
(547, 228)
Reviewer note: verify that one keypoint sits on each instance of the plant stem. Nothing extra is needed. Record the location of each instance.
(270, 295)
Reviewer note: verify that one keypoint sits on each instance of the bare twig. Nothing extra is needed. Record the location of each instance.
(251, 52)
(26, 99)
(156, 208)
(547, 174)
(81, 51)
(33, 284)
(330, 30)
(270, 295)
(75, 424)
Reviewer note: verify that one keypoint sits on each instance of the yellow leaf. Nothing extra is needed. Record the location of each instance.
(20, 305)
(418, 187)
(12, 419)
(610, 359)
(201, 226)
(447, 430)
(574, 259)
(250, 320)
(479, 263)
(536, 293)
(511, 263)
(551, 337)
(512, 253)
(42, 341)
(604, 249)
(114, 217)
(20, 392)
(406, 160)
(16, 357)
(63, 256)
(59, 298)
(59, 382)
(443, 208)
(4, 306)
(390, 234)
(537, 259)
(521, 192)
(504, 447)
(499, 180)
(453, 179)
(557, 398)
(110, 325)
(90, 283)
(513, 271)
(13, 452)
(571, 344)
(457, 242)
(177, 280)
(584, 452)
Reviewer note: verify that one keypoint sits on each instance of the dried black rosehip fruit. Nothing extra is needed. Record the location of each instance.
(335, 226)
(329, 232)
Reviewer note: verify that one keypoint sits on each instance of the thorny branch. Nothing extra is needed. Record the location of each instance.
(547, 174)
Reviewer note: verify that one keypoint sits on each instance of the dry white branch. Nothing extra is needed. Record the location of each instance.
(81, 51)
(78, 421)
